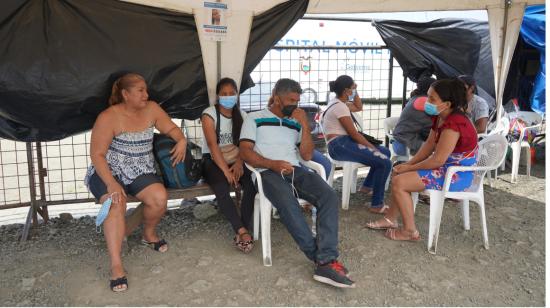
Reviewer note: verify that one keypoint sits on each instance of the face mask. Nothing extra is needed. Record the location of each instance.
(228, 102)
(103, 213)
(430, 109)
(352, 96)
(288, 110)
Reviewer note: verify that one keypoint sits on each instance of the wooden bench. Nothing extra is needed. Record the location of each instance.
(133, 220)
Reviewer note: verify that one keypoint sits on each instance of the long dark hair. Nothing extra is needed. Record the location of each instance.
(452, 90)
(340, 84)
(236, 118)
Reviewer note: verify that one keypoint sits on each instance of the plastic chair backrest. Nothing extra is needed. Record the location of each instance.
(389, 125)
(491, 153)
(529, 117)
(502, 127)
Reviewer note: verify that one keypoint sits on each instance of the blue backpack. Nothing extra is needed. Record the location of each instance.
(182, 175)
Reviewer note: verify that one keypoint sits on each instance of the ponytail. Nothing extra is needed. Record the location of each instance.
(340, 84)
(123, 83)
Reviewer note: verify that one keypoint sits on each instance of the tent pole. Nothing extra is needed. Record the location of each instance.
(499, 97)
(31, 216)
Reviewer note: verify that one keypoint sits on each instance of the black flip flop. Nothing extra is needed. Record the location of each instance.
(118, 282)
(155, 245)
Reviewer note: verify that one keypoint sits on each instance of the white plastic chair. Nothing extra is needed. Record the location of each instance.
(534, 122)
(500, 128)
(491, 154)
(263, 210)
(389, 125)
(349, 180)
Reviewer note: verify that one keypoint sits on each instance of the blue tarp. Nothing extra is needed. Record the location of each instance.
(533, 33)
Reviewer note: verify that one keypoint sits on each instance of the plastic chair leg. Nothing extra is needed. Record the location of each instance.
(256, 217)
(528, 160)
(353, 183)
(265, 214)
(331, 175)
(346, 186)
(516, 151)
(436, 210)
(483, 219)
(466, 214)
(414, 196)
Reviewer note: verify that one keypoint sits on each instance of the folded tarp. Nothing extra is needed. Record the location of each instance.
(443, 47)
(59, 58)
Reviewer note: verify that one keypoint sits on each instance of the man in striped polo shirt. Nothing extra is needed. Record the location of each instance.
(273, 140)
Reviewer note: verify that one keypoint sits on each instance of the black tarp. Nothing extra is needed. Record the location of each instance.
(267, 29)
(443, 47)
(59, 58)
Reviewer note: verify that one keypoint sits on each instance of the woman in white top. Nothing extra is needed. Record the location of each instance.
(221, 126)
(345, 143)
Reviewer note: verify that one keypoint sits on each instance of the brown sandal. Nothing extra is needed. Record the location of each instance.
(244, 246)
(412, 236)
(376, 225)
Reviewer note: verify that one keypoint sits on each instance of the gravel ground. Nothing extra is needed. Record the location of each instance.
(66, 263)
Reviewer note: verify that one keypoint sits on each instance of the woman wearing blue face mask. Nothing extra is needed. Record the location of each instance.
(345, 143)
(452, 142)
(221, 126)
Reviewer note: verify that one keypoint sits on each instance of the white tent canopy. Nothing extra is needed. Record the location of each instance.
(505, 17)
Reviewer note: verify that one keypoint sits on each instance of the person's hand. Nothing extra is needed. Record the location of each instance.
(281, 166)
(230, 177)
(178, 152)
(300, 115)
(116, 192)
(237, 170)
(402, 168)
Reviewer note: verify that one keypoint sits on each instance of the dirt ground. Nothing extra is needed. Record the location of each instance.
(66, 263)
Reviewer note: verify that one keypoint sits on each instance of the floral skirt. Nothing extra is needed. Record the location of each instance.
(435, 178)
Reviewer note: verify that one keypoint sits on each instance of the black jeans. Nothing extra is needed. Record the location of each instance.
(216, 179)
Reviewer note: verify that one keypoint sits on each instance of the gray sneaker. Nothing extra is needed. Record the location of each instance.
(333, 273)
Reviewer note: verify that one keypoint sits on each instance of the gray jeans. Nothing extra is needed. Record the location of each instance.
(312, 188)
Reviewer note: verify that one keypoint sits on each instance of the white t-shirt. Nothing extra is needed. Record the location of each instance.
(478, 108)
(226, 128)
(330, 122)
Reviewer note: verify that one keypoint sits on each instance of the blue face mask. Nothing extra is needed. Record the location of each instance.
(430, 109)
(352, 96)
(103, 212)
(228, 102)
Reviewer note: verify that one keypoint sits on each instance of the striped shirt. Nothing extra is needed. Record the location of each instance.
(273, 137)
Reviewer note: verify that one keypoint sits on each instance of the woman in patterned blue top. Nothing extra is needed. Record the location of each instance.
(121, 151)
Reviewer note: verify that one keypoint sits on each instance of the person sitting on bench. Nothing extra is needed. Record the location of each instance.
(223, 166)
(121, 151)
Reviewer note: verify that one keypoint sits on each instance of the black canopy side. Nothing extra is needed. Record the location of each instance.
(444, 47)
(267, 29)
(59, 58)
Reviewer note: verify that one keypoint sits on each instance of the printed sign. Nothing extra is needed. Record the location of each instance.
(215, 25)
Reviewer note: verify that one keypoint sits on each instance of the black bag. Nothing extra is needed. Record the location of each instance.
(182, 175)
(369, 138)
